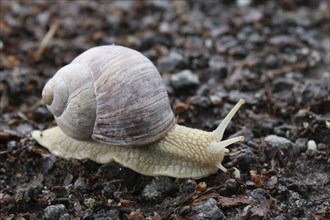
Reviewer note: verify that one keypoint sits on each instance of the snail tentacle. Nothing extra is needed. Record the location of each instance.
(216, 147)
(221, 167)
(218, 132)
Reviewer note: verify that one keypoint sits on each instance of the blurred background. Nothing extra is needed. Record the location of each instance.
(274, 54)
(241, 45)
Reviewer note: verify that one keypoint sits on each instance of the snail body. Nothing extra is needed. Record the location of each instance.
(111, 104)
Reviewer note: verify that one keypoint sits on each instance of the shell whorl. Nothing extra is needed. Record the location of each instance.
(55, 95)
(73, 100)
(125, 98)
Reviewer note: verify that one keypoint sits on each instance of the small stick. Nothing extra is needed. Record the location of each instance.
(45, 41)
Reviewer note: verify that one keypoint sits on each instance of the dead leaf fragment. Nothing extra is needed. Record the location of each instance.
(125, 202)
(256, 178)
(205, 195)
(201, 187)
(138, 215)
(9, 134)
(235, 201)
(180, 107)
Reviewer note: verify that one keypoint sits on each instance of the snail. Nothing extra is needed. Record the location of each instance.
(110, 104)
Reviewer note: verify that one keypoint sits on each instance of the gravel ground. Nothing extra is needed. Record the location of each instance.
(274, 54)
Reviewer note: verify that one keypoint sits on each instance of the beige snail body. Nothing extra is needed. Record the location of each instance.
(111, 104)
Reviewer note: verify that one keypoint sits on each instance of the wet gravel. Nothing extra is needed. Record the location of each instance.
(274, 54)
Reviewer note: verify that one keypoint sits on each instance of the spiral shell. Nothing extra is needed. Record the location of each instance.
(111, 94)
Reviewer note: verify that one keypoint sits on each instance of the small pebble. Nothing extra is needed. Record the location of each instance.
(200, 101)
(185, 210)
(158, 189)
(311, 145)
(245, 159)
(119, 195)
(77, 206)
(24, 129)
(259, 194)
(215, 100)
(218, 64)
(108, 190)
(243, 3)
(220, 30)
(43, 18)
(89, 202)
(321, 146)
(42, 114)
(239, 52)
(274, 141)
(170, 63)
(314, 90)
(249, 98)
(87, 214)
(245, 212)
(305, 124)
(48, 163)
(12, 145)
(68, 178)
(294, 196)
(188, 186)
(80, 183)
(150, 54)
(250, 184)
(66, 216)
(281, 39)
(282, 191)
(231, 185)
(271, 60)
(184, 79)
(237, 173)
(207, 209)
(281, 84)
(280, 217)
(301, 144)
(54, 212)
(327, 124)
(112, 214)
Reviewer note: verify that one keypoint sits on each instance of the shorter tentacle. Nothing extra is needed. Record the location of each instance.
(221, 167)
(216, 147)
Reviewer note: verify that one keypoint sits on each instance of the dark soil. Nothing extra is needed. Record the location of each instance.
(274, 54)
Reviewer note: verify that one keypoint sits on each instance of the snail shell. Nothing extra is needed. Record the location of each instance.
(102, 95)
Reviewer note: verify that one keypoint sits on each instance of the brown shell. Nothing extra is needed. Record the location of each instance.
(132, 105)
